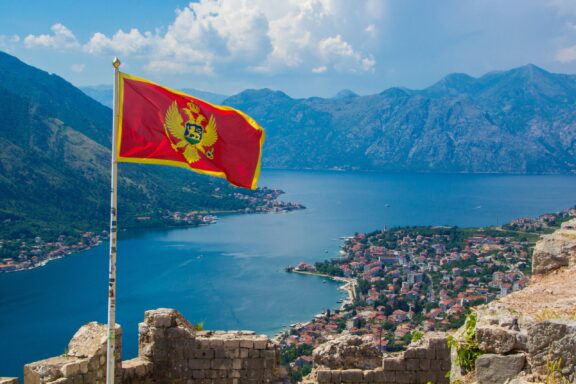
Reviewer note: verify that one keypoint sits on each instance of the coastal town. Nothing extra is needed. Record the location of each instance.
(405, 281)
(27, 253)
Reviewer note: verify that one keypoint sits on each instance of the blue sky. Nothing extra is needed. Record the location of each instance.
(304, 47)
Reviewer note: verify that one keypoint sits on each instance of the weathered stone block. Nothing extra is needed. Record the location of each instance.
(336, 376)
(495, 339)
(406, 377)
(445, 365)
(216, 343)
(351, 376)
(255, 364)
(199, 364)
(162, 320)
(221, 364)
(387, 377)
(348, 352)
(393, 364)
(204, 354)
(496, 369)
(438, 341)
(220, 353)
(551, 341)
(255, 374)
(260, 343)
(412, 364)
(324, 376)
(231, 343)
(253, 354)
(425, 377)
(90, 377)
(416, 353)
(196, 374)
(424, 365)
(246, 343)
(71, 369)
(84, 366)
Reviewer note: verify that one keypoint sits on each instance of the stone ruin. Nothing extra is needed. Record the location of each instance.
(349, 360)
(170, 350)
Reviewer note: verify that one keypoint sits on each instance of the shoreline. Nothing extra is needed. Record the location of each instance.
(349, 286)
(45, 261)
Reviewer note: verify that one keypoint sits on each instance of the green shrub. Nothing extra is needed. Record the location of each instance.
(467, 348)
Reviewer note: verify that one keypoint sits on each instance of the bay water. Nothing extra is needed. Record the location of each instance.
(231, 275)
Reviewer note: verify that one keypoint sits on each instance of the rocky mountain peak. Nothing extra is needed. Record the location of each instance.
(345, 94)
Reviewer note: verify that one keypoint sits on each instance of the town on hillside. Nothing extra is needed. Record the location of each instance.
(23, 253)
(406, 281)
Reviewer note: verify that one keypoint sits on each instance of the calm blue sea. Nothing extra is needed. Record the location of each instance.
(230, 275)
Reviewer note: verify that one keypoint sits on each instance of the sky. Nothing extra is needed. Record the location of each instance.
(302, 47)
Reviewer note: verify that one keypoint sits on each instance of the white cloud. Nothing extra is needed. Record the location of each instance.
(211, 36)
(371, 30)
(61, 38)
(8, 43)
(122, 43)
(345, 58)
(566, 55)
(78, 68)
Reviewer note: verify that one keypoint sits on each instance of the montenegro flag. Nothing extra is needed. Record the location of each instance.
(157, 125)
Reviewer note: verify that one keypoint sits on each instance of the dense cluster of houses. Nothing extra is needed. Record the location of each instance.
(540, 223)
(30, 254)
(422, 279)
(267, 202)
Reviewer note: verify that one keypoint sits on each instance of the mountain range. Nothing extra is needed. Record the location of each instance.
(517, 121)
(55, 161)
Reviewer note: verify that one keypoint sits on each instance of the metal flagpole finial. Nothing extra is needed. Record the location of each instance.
(116, 63)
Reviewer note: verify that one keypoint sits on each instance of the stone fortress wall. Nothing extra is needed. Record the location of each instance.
(426, 361)
(170, 350)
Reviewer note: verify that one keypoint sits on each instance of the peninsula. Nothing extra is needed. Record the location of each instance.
(411, 280)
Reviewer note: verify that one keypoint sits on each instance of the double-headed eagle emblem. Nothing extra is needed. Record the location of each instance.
(193, 136)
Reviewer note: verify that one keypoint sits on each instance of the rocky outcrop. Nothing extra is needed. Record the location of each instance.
(553, 341)
(496, 369)
(530, 335)
(347, 352)
(556, 250)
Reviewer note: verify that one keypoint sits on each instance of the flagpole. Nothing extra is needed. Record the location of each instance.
(111, 344)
